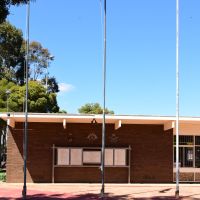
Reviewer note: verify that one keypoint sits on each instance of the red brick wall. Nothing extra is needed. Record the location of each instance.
(151, 155)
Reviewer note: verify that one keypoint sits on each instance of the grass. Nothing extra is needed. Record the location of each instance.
(2, 176)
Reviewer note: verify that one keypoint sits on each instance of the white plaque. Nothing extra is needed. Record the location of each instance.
(120, 157)
(76, 156)
(92, 157)
(109, 157)
(63, 156)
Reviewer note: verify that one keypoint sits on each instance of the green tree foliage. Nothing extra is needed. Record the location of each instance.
(5, 5)
(52, 84)
(3, 10)
(11, 51)
(93, 108)
(39, 62)
(40, 59)
(12, 57)
(62, 111)
(38, 99)
(12, 65)
(12, 60)
(5, 85)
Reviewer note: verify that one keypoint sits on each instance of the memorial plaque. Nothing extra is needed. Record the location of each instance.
(120, 157)
(76, 156)
(109, 157)
(63, 156)
(91, 157)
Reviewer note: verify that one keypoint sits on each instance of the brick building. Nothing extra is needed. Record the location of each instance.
(67, 148)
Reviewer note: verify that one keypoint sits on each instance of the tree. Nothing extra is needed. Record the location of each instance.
(93, 108)
(38, 99)
(12, 66)
(12, 58)
(39, 59)
(52, 84)
(4, 86)
(62, 111)
(11, 51)
(5, 5)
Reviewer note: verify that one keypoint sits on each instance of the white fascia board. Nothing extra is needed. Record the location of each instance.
(111, 118)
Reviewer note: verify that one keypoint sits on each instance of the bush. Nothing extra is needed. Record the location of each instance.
(2, 176)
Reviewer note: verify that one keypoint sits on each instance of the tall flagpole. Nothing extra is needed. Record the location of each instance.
(177, 99)
(104, 105)
(24, 191)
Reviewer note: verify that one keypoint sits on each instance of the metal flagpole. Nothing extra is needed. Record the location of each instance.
(104, 105)
(24, 192)
(177, 99)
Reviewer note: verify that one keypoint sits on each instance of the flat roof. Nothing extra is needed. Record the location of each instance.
(87, 118)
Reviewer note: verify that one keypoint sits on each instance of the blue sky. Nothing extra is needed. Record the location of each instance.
(140, 52)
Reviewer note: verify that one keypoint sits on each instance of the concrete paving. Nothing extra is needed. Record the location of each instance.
(92, 191)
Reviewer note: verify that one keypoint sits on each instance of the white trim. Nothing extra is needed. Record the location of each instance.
(168, 122)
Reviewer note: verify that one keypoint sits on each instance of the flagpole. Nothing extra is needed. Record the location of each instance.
(177, 99)
(24, 191)
(104, 105)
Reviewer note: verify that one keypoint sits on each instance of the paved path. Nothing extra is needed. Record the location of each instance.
(91, 191)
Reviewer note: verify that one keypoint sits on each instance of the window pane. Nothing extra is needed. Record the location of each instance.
(197, 140)
(184, 140)
(197, 156)
(188, 156)
(63, 156)
(181, 158)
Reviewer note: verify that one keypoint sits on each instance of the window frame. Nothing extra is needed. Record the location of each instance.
(192, 145)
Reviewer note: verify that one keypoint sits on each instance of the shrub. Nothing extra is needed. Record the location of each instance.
(2, 176)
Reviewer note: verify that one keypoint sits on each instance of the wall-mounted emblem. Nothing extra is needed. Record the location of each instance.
(92, 137)
(114, 138)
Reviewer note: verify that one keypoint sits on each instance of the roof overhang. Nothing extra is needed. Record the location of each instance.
(84, 118)
(117, 120)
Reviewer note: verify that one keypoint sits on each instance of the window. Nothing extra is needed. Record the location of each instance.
(197, 140)
(185, 156)
(197, 156)
(189, 151)
(184, 140)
